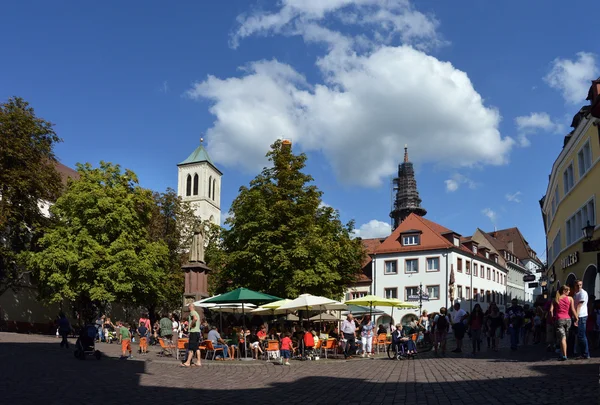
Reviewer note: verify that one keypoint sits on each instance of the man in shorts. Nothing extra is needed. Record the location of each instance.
(194, 340)
(125, 338)
(458, 326)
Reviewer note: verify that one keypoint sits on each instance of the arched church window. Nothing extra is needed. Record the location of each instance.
(209, 187)
(214, 188)
(196, 184)
(188, 186)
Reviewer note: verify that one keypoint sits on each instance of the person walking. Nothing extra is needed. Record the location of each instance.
(475, 327)
(580, 300)
(458, 316)
(440, 326)
(64, 328)
(194, 338)
(514, 322)
(349, 331)
(563, 306)
(366, 334)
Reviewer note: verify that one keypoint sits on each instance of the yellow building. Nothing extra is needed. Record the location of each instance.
(571, 204)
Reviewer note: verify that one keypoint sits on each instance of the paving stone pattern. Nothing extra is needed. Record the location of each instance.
(33, 369)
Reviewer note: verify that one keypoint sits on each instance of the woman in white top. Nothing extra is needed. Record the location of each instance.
(424, 320)
(176, 326)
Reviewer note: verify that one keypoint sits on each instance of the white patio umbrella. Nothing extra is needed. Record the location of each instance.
(327, 317)
(310, 302)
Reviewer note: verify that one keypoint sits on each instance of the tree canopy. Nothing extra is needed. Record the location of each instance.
(28, 179)
(282, 239)
(100, 249)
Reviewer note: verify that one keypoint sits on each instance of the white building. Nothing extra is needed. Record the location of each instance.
(199, 182)
(422, 253)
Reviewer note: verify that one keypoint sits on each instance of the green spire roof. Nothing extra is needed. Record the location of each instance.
(197, 156)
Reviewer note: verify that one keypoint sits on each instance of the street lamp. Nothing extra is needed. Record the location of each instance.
(588, 231)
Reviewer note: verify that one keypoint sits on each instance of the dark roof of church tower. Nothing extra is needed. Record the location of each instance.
(407, 199)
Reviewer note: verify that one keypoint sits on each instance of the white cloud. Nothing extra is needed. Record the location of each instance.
(374, 99)
(457, 180)
(573, 77)
(373, 229)
(491, 214)
(385, 20)
(515, 197)
(533, 123)
(165, 87)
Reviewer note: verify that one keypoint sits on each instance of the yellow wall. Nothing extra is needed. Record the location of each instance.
(583, 189)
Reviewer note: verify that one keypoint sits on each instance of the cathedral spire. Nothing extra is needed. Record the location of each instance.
(407, 198)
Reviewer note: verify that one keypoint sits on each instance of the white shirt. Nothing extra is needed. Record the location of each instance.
(457, 315)
(581, 296)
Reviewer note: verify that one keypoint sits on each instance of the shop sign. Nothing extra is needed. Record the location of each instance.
(570, 260)
(533, 285)
(529, 277)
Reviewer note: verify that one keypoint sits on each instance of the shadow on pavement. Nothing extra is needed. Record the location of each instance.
(34, 373)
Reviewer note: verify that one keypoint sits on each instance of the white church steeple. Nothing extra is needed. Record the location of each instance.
(199, 183)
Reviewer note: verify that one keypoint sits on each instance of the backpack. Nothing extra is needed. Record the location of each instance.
(442, 323)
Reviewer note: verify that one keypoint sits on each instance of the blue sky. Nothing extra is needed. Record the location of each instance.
(482, 93)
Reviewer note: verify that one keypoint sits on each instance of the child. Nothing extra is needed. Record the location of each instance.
(143, 332)
(125, 340)
(286, 349)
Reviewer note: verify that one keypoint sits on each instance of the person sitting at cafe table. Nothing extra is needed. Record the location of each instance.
(235, 342)
(262, 333)
(255, 344)
(334, 333)
(217, 341)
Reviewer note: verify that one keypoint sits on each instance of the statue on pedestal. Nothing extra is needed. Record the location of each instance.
(197, 248)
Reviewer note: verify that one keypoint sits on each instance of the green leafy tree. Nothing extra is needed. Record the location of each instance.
(173, 221)
(28, 178)
(282, 239)
(100, 250)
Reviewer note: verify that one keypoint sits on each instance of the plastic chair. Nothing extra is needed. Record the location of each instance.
(382, 341)
(272, 351)
(166, 347)
(182, 345)
(330, 346)
(211, 349)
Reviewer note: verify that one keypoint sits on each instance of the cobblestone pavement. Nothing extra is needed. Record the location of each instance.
(33, 369)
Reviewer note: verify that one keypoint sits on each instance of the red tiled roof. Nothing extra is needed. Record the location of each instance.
(66, 172)
(431, 238)
(520, 246)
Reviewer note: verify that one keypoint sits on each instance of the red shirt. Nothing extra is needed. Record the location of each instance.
(286, 343)
(309, 340)
(261, 334)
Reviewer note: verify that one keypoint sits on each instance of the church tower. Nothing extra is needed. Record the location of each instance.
(199, 183)
(407, 196)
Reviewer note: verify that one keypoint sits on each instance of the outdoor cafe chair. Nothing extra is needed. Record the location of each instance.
(272, 351)
(330, 346)
(382, 341)
(182, 345)
(211, 349)
(166, 347)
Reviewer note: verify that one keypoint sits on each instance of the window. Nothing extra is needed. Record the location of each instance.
(411, 266)
(434, 292)
(482, 295)
(488, 296)
(459, 291)
(496, 258)
(487, 255)
(188, 186)
(410, 291)
(555, 201)
(433, 264)
(475, 295)
(459, 265)
(474, 249)
(391, 267)
(482, 271)
(196, 184)
(489, 272)
(214, 188)
(568, 179)
(410, 240)
(358, 294)
(584, 158)
(390, 293)
(468, 293)
(456, 242)
(467, 267)
(210, 187)
(580, 219)
(474, 269)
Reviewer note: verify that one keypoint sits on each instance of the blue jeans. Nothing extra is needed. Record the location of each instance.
(582, 343)
(224, 347)
(514, 337)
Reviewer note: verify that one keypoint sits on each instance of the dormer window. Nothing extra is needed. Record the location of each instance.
(474, 249)
(456, 241)
(496, 259)
(411, 240)
(487, 255)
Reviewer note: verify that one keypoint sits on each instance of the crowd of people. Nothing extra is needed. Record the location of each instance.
(568, 324)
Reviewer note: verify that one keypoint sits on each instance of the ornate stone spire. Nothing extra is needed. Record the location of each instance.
(407, 196)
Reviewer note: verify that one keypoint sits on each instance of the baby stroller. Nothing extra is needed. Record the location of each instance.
(86, 343)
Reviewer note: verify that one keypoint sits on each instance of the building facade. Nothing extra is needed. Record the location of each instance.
(570, 204)
(422, 254)
(199, 183)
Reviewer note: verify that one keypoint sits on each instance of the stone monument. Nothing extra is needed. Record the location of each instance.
(195, 270)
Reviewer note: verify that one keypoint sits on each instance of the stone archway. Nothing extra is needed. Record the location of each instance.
(570, 281)
(408, 318)
(591, 281)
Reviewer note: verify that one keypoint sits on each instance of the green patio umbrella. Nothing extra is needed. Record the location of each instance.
(360, 310)
(242, 296)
